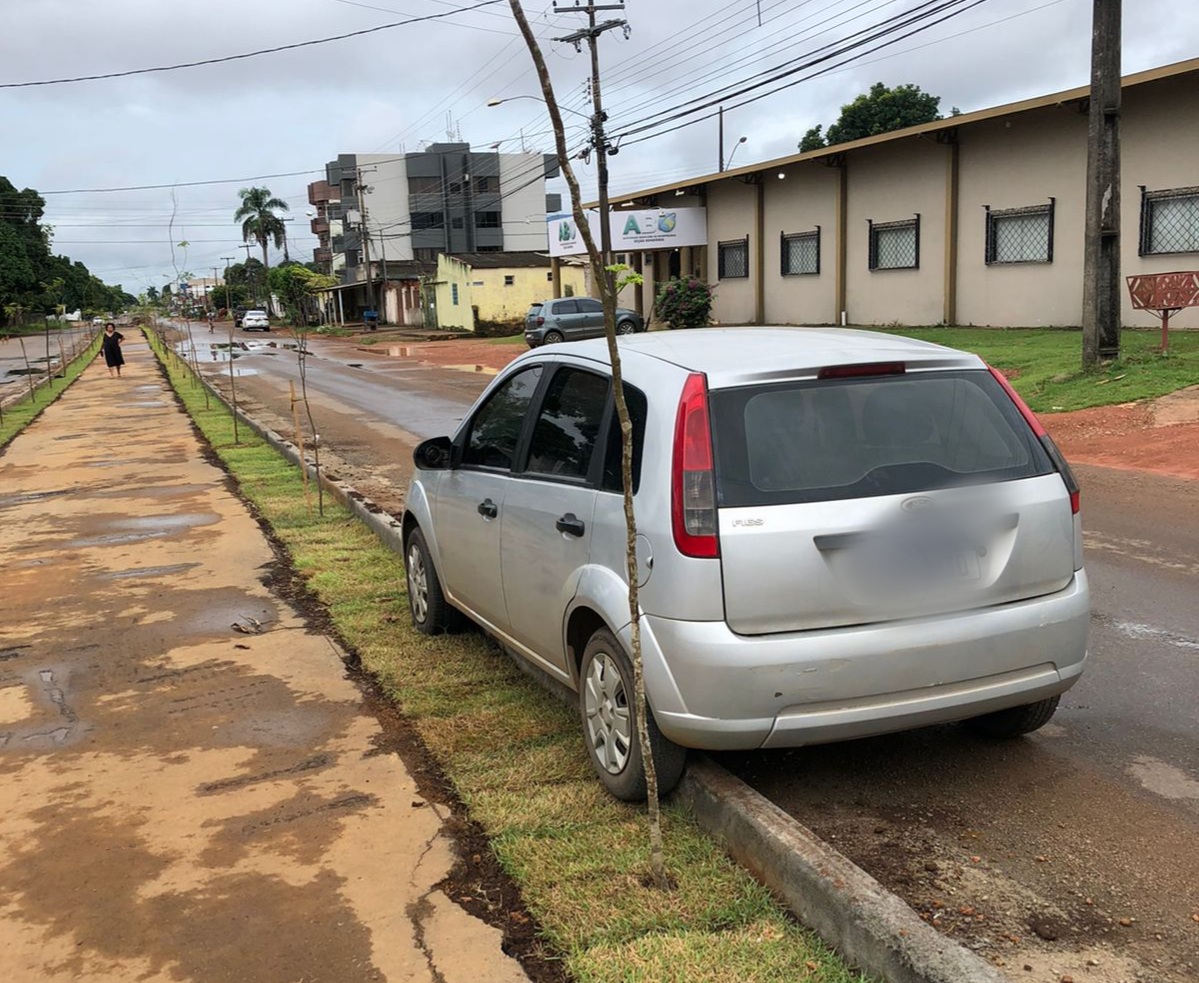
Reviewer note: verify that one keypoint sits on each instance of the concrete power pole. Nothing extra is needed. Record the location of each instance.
(366, 241)
(599, 140)
(1101, 258)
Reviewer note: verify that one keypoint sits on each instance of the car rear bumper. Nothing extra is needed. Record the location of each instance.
(714, 689)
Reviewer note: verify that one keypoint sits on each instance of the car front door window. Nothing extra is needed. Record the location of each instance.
(496, 428)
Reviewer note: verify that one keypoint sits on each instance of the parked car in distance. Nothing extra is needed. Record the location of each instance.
(255, 320)
(573, 318)
(238, 314)
(841, 534)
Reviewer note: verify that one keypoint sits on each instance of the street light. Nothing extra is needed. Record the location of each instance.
(500, 102)
(733, 153)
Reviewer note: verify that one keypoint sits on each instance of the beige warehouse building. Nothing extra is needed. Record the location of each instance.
(973, 219)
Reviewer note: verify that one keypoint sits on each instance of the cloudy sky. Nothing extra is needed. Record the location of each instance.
(397, 88)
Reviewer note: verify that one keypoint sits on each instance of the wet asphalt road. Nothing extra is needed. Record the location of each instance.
(1049, 842)
(12, 361)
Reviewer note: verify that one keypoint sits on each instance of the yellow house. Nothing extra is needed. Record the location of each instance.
(502, 286)
(447, 296)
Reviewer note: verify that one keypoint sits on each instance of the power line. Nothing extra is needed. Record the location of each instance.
(701, 103)
(252, 54)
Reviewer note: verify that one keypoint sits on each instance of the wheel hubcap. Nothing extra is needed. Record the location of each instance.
(418, 584)
(606, 706)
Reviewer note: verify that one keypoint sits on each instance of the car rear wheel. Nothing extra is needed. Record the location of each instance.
(431, 613)
(553, 338)
(1015, 721)
(626, 327)
(606, 706)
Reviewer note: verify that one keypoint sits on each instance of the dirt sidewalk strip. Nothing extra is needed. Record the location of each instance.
(182, 799)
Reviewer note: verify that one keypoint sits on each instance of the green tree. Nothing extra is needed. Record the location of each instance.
(296, 287)
(881, 110)
(259, 221)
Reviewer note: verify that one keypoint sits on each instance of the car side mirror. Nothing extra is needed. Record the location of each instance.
(436, 454)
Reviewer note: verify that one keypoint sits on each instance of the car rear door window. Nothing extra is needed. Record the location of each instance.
(562, 307)
(568, 424)
(855, 438)
(496, 428)
(611, 479)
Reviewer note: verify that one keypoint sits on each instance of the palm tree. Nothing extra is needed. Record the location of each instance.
(260, 224)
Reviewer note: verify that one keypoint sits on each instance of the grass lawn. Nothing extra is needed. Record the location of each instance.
(1049, 363)
(515, 755)
(18, 415)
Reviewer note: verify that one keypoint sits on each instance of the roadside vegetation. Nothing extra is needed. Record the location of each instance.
(515, 756)
(16, 416)
(1045, 364)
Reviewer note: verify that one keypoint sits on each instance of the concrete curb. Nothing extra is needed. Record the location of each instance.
(872, 928)
(869, 926)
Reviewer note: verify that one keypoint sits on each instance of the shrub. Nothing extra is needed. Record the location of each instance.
(685, 303)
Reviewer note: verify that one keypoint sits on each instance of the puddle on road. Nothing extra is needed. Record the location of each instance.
(147, 527)
(133, 574)
(147, 404)
(9, 501)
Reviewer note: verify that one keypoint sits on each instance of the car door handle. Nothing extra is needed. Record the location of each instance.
(488, 509)
(571, 524)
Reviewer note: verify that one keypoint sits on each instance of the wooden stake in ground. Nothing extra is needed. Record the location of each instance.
(233, 385)
(603, 279)
(49, 366)
(295, 422)
(28, 370)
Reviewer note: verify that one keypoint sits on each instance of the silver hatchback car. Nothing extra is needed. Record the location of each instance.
(841, 533)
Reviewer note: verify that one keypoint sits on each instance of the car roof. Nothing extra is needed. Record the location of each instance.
(738, 356)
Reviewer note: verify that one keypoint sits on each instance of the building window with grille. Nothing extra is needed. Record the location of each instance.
(732, 259)
(487, 220)
(454, 293)
(800, 253)
(1169, 221)
(510, 281)
(1020, 235)
(895, 245)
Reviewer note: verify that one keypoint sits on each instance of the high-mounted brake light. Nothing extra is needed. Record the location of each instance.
(861, 369)
(693, 481)
(1055, 455)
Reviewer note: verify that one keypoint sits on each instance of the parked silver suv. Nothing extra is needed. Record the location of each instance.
(574, 318)
(841, 533)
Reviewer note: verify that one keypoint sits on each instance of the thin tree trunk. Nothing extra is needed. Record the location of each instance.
(608, 299)
(28, 370)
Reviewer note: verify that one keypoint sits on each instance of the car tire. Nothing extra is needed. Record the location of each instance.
(431, 613)
(553, 338)
(610, 726)
(626, 327)
(1015, 721)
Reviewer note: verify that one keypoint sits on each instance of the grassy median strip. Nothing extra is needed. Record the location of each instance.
(515, 755)
(1046, 363)
(19, 414)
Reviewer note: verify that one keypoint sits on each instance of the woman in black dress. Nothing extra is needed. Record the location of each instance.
(111, 347)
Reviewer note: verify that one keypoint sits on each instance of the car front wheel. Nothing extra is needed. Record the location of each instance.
(607, 708)
(1015, 721)
(431, 613)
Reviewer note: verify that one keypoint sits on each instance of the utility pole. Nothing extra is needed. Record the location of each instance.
(599, 140)
(1101, 255)
(362, 189)
(247, 247)
(228, 305)
(720, 116)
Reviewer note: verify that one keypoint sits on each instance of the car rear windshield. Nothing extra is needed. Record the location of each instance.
(825, 440)
(534, 310)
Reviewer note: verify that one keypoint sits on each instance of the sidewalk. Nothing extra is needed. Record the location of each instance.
(182, 801)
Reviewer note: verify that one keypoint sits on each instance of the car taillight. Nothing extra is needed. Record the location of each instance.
(1055, 455)
(693, 494)
(540, 321)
